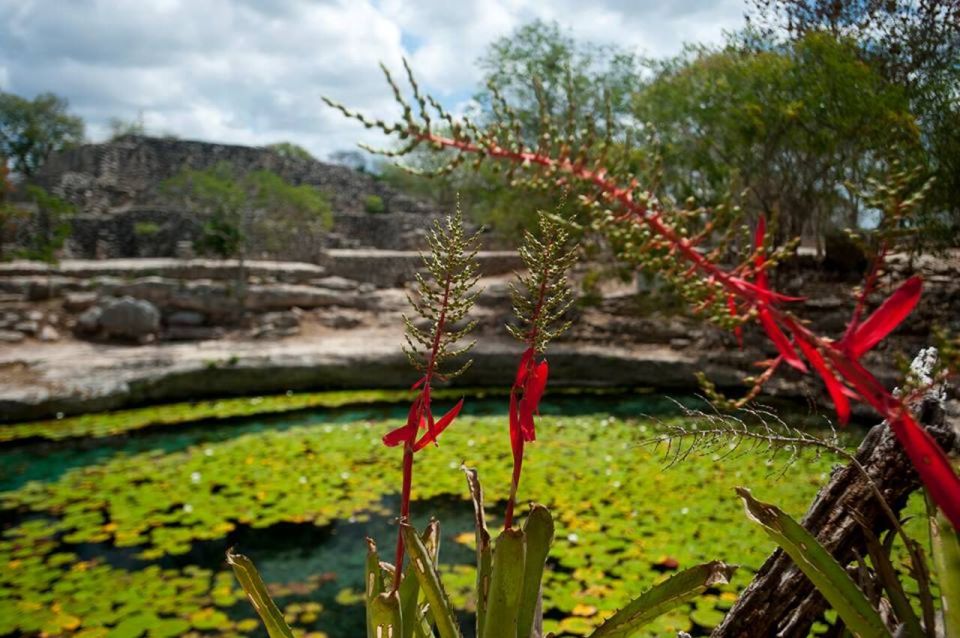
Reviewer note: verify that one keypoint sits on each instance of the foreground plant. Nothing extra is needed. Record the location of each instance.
(411, 602)
(442, 302)
(582, 155)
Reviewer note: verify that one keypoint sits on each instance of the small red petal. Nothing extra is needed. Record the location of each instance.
(758, 237)
(780, 340)
(516, 436)
(400, 435)
(523, 368)
(526, 420)
(834, 387)
(438, 427)
(536, 385)
(884, 319)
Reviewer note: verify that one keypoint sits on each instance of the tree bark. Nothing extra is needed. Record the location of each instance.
(781, 601)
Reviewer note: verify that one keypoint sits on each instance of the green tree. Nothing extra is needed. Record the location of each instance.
(349, 158)
(120, 127)
(914, 44)
(250, 214)
(790, 126)
(291, 151)
(574, 79)
(539, 62)
(30, 130)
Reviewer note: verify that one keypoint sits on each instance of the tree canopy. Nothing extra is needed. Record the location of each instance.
(789, 126)
(248, 213)
(30, 130)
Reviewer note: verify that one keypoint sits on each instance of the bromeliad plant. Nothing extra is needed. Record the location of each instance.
(406, 601)
(685, 245)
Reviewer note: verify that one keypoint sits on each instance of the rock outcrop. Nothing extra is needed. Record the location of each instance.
(124, 212)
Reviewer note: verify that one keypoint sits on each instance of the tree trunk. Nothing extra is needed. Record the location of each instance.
(781, 601)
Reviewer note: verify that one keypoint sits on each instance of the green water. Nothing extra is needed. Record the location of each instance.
(124, 535)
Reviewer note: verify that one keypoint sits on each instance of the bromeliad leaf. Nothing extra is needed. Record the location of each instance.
(674, 591)
(827, 575)
(256, 591)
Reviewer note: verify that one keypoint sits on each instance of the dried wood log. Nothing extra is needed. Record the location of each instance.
(781, 601)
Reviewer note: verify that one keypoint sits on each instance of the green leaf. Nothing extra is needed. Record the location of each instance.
(539, 532)
(484, 551)
(891, 583)
(945, 547)
(674, 591)
(429, 580)
(386, 614)
(410, 586)
(506, 585)
(256, 591)
(826, 574)
(373, 583)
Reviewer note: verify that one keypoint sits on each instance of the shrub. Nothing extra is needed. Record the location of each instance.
(374, 204)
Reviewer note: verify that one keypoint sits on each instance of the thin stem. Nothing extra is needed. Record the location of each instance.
(518, 453)
(424, 406)
(514, 486)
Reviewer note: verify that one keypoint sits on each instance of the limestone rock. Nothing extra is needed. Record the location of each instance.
(29, 327)
(186, 318)
(88, 322)
(11, 336)
(79, 301)
(130, 318)
(48, 333)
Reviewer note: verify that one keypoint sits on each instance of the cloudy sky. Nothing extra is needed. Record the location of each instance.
(253, 71)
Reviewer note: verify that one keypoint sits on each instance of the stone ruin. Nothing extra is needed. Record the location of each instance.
(115, 187)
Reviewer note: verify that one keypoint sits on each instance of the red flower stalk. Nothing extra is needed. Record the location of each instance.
(539, 302)
(557, 160)
(849, 377)
(445, 301)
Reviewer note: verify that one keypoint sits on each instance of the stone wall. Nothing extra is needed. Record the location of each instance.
(389, 268)
(116, 187)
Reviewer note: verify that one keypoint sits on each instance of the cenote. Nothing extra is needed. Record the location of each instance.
(117, 525)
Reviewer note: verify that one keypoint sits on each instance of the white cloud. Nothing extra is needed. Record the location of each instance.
(253, 71)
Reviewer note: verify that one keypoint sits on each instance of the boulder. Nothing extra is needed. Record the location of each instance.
(336, 283)
(48, 333)
(280, 319)
(130, 318)
(88, 322)
(29, 327)
(11, 336)
(79, 301)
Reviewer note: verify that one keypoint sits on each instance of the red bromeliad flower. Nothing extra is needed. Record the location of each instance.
(541, 296)
(420, 417)
(525, 395)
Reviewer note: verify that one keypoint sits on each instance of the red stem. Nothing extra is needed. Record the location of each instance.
(518, 453)
(514, 485)
(408, 444)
